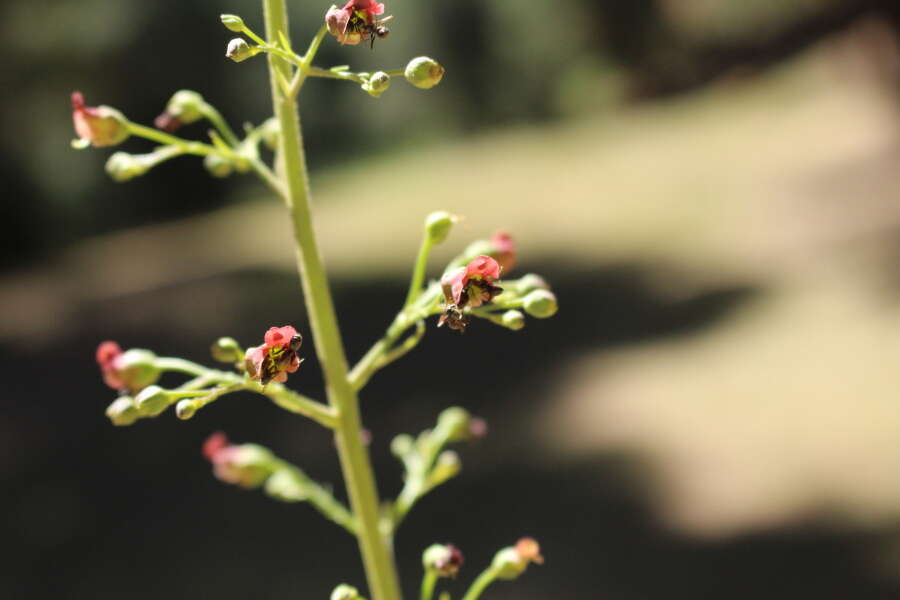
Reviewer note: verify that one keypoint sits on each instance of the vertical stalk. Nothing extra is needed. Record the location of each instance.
(376, 553)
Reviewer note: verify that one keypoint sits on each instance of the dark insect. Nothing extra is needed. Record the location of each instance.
(454, 318)
(360, 24)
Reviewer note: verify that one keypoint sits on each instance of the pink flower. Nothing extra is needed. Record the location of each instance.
(108, 353)
(355, 21)
(472, 285)
(276, 357)
(504, 250)
(238, 465)
(98, 125)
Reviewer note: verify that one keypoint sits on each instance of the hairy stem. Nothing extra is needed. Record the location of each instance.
(377, 555)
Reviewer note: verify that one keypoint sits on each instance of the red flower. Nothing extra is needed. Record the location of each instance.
(108, 354)
(355, 21)
(504, 250)
(97, 125)
(472, 285)
(277, 357)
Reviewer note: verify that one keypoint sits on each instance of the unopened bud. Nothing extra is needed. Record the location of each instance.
(511, 562)
(122, 166)
(122, 411)
(531, 282)
(447, 466)
(232, 23)
(226, 350)
(218, 166)
(152, 400)
(402, 445)
(185, 106)
(513, 319)
(377, 84)
(185, 409)
(424, 72)
(271, 131)
(239, 50)
(283, 485)
(345, 592)
(438, 225)
(454, 421)
(443, 560)
(97, 125)
(540, 304)
(137, 368)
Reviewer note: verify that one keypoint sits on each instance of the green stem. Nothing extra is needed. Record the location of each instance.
(418, 276)
(189, 147)
(180, 365)
(215, 117)
(486, 578)
(428, 583)
(344, 75)
(377, 555)
(319, 497)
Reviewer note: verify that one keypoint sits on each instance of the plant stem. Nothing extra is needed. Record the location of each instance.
(215, 117)
(376, 553)
(418, 276)
(486, 578)
(428, 583)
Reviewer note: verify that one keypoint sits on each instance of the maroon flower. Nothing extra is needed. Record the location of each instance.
(504, 250)
(107, 355)
(129, 371)
(275, 358)
(356, 21)
(472, 285)
(97, 125)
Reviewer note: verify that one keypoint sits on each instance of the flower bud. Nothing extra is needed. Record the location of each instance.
(511, 562)
(402, 445)
(377, 84)
(226, 350)
(513, 319)
(540, 304)
(185, 409)
(137, 368)
(122, 166)
(271, 131)
(424, 72)
(123, 411)
(217, 165)
(239, 50)
(183, 108)
(152, 400)
(531, 282)
(455, 422)
(438, 225)
(283, 485)
(232, 23)
(345, 592)
(446, 467)
(443, 560)
(97, 125)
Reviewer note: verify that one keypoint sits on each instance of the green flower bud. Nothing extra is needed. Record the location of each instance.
(137, 368)
(540, 304)
(530, 282)
(123, 411)
(185, 409)
(513, 319)
(283, 485)
(455, 422)
(152, 400)
(345, 592)
(271, 131)
(227, 350)
(446, 467)
(438, 225)
(402, 445)
(424, 72)
(511, 562)
(122, 166)
(186, 106)
(443, 560)
(217, 165)
(377, 84)
(232, 23)
(239, 50)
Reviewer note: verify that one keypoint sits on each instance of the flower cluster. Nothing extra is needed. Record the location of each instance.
(276, 357)
(469, 286)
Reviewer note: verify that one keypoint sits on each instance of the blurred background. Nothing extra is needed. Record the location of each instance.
(712, 188)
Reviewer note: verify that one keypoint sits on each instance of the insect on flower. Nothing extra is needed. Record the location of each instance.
(277, 357)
